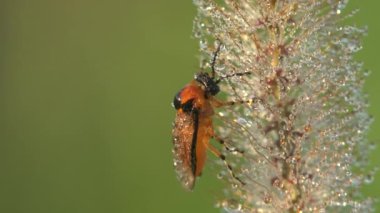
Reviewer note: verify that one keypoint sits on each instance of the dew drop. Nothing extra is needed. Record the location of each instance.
(203, 44)
(219, 176)
(267, 199)
(369, 179)
(366, 73)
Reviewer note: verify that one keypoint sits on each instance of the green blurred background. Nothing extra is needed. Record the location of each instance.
(85, 114)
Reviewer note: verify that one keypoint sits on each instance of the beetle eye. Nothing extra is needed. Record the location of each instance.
(188, 106)
(213, 89)
(177, 101)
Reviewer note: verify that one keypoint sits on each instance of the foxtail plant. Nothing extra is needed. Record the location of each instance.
(304, 132)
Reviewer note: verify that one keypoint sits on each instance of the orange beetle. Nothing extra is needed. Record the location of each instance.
(193, 127)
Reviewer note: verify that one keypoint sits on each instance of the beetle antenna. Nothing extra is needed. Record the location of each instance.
(232, 75)
(213, 61)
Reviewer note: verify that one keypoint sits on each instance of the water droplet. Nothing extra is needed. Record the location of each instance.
(219, 176)
(369, 179)
(203, 44)
(267, 199)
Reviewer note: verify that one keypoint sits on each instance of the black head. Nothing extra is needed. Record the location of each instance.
(209, 83)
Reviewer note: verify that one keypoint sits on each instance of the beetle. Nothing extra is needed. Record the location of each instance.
(193, 125)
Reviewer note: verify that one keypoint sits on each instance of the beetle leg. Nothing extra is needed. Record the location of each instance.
(228, 148)
(218, 103)
(217, 153)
